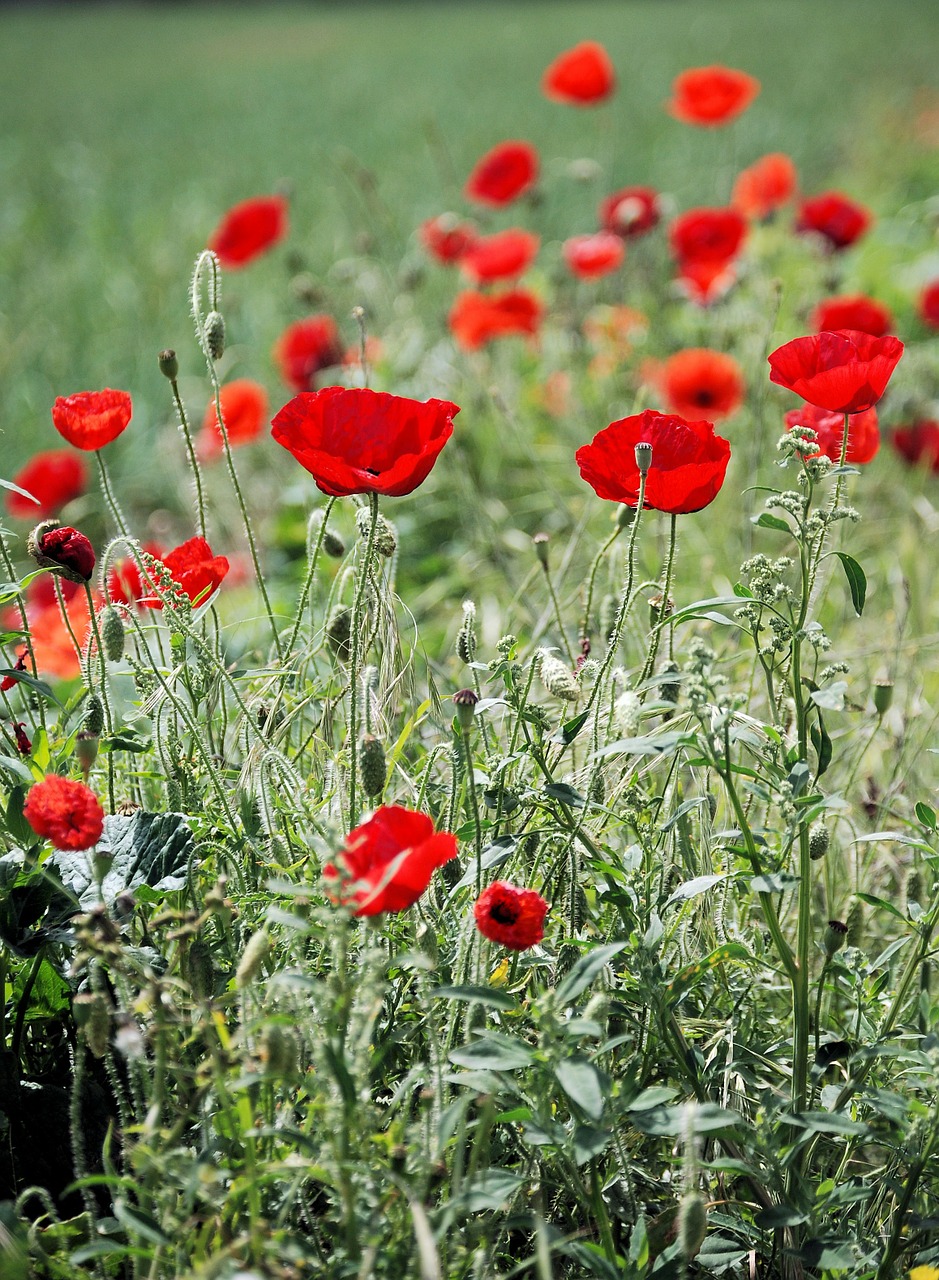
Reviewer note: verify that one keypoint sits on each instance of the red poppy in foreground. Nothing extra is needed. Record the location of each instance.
(863, 432)
(844, 372)
(354, 440)
(929, 305)
(64, 812)
(688, 462)
(918, 444)
(512, 917)
(388, 861)
(839, 220)
(244, 412)
(764, 186)
(195, 570)
(854, 311)
(446, 238)
(91, 419)
(55, 477)
(580, 77)
(248, 229)
(700, 381)
(503, 174)
(307, 347)
(631, 211)
(65, 550)
(592, 256)
(478, 318)
(711, 96)
(500, 256)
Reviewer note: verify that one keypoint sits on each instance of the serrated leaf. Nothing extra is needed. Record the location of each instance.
(584, 971)
(145, 848)
(857, 580)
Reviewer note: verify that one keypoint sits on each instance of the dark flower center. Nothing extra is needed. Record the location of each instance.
(704, 397)
(504, 913)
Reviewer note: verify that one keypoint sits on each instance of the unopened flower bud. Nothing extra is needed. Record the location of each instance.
(278, 1050)
(386, 539)
(92, 1012)
(834, 937)
(339, 631)
(883, 696)
(625, 515)
(465, 702)
(643, 457)
(64, 550)
(169, 365)
(86, 750)
(94, 714)
(466, 637)
(819, 840)
(372, 765)
(111, 625)
(557, 678)
(214, 332)
(333, 545)
(669, 689)
(255, 953)
(692, 1224)
(540, 542)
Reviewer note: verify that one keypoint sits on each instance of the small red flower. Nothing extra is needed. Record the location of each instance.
(248, 229)
(707, 235)
(918, 444)
(512, 917)
(63, 549)
(688, 462)
(388, 861)
(125, 585)
(704, 282)
(54, 477)
(764, 186)
(711, 96)
(863, 432)
(833, 216)
(10, 682)
(700, 381)
(855, 311)
(929, 305)
(844, 372)
(631, 211)
(500, 256)
(478, 318)
(503, 174)
(305, 348)
(592, 256)
(91, 419)
(353, 440)
(580, 77)
(194, 569)
(23, 744)
(244, 412)
(64, 812)
(446, 238)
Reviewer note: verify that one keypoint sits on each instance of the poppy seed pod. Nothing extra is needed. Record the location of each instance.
(834, 937)
(169, 365)
(540, 542)
(64, 550)
(214, 333)
(465, 702)
(883, 696)
(94, 714)
(819, 840)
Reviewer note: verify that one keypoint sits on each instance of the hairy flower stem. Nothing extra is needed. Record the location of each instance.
(103, 690)
(20, 606)
(358, 629)
(558, 616)
(111, 501)
(310, 574)
(474, 808)
(592, 578)
(665, 611)
(193, 460)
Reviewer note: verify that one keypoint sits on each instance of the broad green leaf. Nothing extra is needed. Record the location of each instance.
(857, 580)
(581, 1081)
(477, 995)
(669, 1122)
(145, 848)
(566, 794)
(584, 971)
(490, 1190)
(589, 1142)
(767, 521)
(139, 1223)
(692, 888)
(493, 1052)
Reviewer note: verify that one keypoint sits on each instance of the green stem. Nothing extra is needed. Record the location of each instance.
(193, 460)
(591, 581)
(474, 806)
(308, 581)
(103, 689)
(358, 627)
(665, 611)
(112, 503)
(558, 617)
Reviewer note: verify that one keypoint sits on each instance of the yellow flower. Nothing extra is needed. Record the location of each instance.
(924, 1273)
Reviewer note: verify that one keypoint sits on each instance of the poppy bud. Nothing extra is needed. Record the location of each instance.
(255, 953)
(23, 744)
(339, 631)
(669, 689)
(556, 677)
(169, 365)
(372, 765)
(540, 541)
(278, 1050)
(819, 840)
(86, 750)
(643, 457)
(333, 545)
(692, 1224)
(466, 637)
(214, 333)
(624, 515)
(92, 1014)
(883, 696)
(465, 702)
(112, 633)
(834, 937)
(62, 549)
(386, 539)
(94, 714)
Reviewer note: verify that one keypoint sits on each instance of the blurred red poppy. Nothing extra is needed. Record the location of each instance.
(929, 305)
(918, 443)
(711, 96)
(305, 348)
(863, 432)
(845, 372)
(478, 318)
(500, 256)
(503, 174)
(688, 462)
(631, 211)
(353, 440)
(705, 243)
(446, 238)
(91, 419)
(244, 412)
(512, 917)
(41, 592)
(592, 256)
(580, 77)
(194, 569)
(699, 381)
(125, 584)
(248, 230)
(838, 220)
(854, 311)
(66, 813)
(53, 648)
(55, 477)
(703, 281)
(764, 186)
(388, 861)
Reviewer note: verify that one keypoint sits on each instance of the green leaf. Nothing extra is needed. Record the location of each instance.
(145, 848)
(581, 1081)
(584, 971)
(493, 1052)
(477, 995)
(925, 815)
(589, 1142)
(490, 1190)
(565, 794)
(571, 728)
(873, 901)
(692, 888)
(780, 1215)
(688, 976)
(825, 1122)
(831, 698)
(139, 1223)
(669, 1122)
(822, 744)
(857, 580)
(24, 493)
(767, 521)
(773, 882)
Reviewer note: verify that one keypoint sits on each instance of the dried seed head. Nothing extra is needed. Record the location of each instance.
(169, 365)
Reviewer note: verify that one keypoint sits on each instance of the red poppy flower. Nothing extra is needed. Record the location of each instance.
(353, 440)
(125, 585)
(10, 682)
(91, 419)
(631, 211)
(855, 311)
(446, 238)
(478, 318)
(845, 371)
(65, 550)
(704, 282)
(306, 347)
(512, 917)
(244, 412)
(580, 77)
(764, 186)
(592, 256)
(41, 592)
(194, 569)
(64, 812)
(388, 861)
(707, 235)
(688, 462)
(503, 174)
(863, 432)
(699, 381)
(918, 444)
(831, 215)
(54, 477)
(929, 305)
(500, 256)
(711, 96)
(248, 229)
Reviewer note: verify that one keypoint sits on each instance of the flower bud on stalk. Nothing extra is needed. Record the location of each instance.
(111, 626)
(214, 333)
(819, 840)
(465, 702)
(883, 696)
(169, 365)
(339, 631)
(540, 542)
(64, 550)
(386, 539)
(94, 714)
(466, 636)
(834, 937)
(372, 765)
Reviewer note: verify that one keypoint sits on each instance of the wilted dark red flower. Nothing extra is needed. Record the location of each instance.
(446, 238)
(764, 186)
(711, 96)
(863, 432)
(500, 256)
(23, 744)
(305, 348)
(631, 211)
(845, 371)
(125, 584)
(512, 917)
(700, 381)
(688, 462)
(592, 256)
(10, 682)
(63, 549)
(64, 812)
(929, 305)
(478, 318)
(54, 477)
(918, 443)
(580, 77)
(248, 229)
(503, 174)
(353, 440)
(833, 216)
(91, 419)
(388, 861)
(195, 570)
(244, 412)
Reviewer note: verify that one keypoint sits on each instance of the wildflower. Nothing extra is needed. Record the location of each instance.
(631, 211)
(478, 318)
(248, 230)
(55, 477)
(592, 256)
(699, 381)
(853, 311)
(446, 238)
(499, 256)
(863, 432)
(705, 243)
(764, 186)
(64, 812)
(580, 77)
(928, 305)
(844, 372)
(10, 682)
(124, 584)
(195, 570)
(63, 549)
(244, 412)
(305, 348)
(711, 96)
(91, 419)
(838, 220)
(512, 917)
(918, 443)
(503, 174)
(23, 744)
